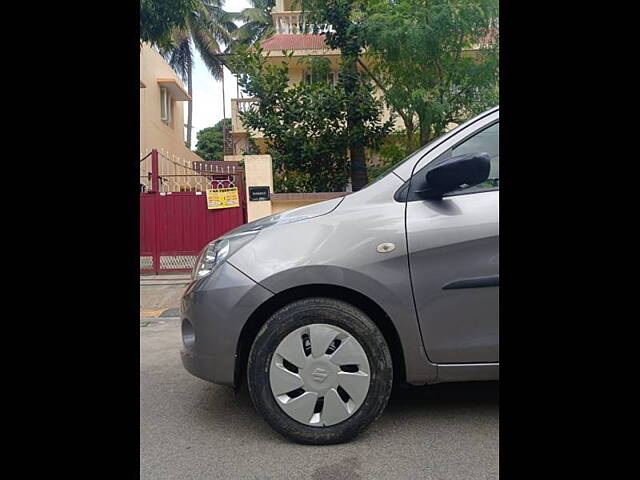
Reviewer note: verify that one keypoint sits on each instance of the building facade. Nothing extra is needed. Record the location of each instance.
(162, 100)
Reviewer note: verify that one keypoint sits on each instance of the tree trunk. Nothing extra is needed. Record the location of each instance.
(190, 104)
(409, 131)
(359, 177)
(425, 133)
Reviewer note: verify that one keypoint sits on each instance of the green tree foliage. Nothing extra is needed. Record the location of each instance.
(427, 61)
(258, 23)
(391, 152)
(347, 19)
(305, 125)
(209, 144)
(158, 18)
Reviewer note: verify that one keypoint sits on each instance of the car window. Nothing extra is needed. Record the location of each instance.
(485, 141)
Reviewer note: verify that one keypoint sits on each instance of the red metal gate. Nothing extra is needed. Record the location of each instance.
(175, 223)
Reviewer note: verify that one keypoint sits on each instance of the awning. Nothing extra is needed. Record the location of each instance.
(174, 87)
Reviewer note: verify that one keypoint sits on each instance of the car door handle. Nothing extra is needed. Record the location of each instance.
(474, 282)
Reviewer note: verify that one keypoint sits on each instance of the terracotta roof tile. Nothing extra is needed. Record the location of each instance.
(282, 41)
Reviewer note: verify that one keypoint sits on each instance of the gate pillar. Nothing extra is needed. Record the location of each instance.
(258, 172)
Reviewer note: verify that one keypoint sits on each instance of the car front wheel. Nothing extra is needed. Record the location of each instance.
(319, 371)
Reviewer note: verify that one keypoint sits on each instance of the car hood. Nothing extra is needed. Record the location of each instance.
(289, 216)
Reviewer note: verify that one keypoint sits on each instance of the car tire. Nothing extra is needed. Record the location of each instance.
(280, 338)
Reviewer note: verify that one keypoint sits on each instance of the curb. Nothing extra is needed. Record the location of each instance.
(169, 313)
(149, 322)
(165, 280)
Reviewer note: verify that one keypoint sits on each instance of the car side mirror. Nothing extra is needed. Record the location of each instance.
(449, 175)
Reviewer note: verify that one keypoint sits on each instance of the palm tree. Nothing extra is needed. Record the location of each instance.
(208, 27)
(258, 23)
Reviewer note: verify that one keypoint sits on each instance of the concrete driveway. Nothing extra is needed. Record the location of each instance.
(191, 429)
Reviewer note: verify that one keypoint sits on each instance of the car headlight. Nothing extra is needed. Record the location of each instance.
(214, 254)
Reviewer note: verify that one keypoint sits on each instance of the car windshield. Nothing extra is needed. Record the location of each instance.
(414, 155)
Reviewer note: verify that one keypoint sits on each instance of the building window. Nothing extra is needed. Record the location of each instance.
(332, 78)
(165, 105)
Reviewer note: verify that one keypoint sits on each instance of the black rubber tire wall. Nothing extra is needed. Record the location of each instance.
(305, 312)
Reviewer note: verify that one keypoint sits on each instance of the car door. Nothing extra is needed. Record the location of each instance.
(454, 259)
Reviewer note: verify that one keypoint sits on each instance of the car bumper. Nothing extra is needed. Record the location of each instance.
(214, 311)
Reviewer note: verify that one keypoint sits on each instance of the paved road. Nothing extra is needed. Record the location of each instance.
(191, 429)
(160, 294)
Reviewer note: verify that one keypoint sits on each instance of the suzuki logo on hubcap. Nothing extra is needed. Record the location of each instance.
(319, 375)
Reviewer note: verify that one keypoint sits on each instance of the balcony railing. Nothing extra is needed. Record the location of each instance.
(295, 23)
(239, 105)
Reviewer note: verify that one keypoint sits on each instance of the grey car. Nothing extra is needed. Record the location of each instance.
(321, 309)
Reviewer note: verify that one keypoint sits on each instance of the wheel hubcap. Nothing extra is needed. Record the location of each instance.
(319, 375)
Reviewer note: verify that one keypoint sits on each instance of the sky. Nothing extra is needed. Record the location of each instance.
(207, 92)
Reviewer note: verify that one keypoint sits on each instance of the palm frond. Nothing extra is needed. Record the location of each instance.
(219, 22)
(209, 51)
(213, 30)
(265, 5)
(255, 15)
(179, 55)
(258, 24)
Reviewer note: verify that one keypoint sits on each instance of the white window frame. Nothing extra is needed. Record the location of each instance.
(332, 78)
(165, 105)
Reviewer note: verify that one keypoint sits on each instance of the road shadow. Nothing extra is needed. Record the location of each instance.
(469, 402)
(450, 395)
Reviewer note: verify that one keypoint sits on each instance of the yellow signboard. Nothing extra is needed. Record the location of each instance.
(222, 198)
